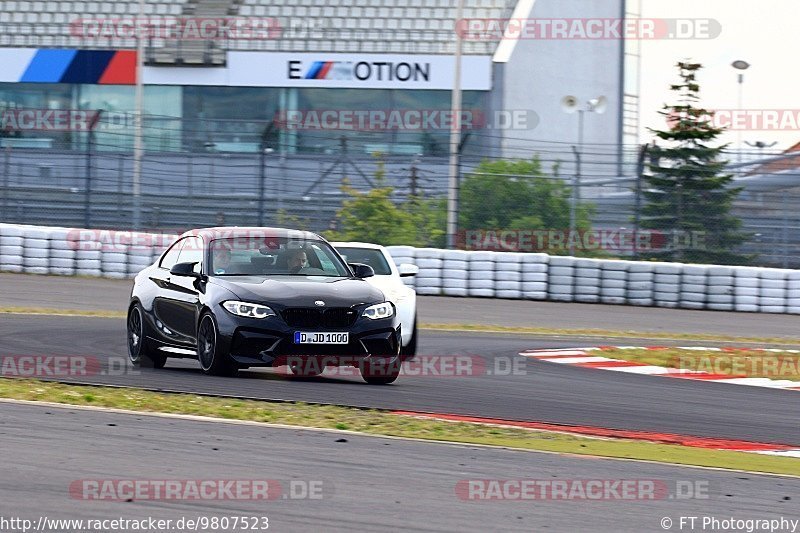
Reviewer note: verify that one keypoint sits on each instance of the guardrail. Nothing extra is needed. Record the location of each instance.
(531, 276)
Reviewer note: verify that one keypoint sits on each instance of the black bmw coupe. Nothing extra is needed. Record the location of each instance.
(244, 297)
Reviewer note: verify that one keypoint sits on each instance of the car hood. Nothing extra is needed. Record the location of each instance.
(393, 288)
(301, 291)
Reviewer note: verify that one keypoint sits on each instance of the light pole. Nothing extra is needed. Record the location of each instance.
(570, 104)
(138, 145)
(455, 136)
(761, 145)
(741, 66)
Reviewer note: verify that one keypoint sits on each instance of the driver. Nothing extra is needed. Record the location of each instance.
(222, 260)
(297, 260)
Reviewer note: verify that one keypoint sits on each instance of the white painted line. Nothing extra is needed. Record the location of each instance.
(781, 453)
(759, 382)
(551, 353)
(653, 370)
(576, 360)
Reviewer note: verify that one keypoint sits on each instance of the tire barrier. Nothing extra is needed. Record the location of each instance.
(529, 276)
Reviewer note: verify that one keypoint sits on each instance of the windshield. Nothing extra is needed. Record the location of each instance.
(274, 256)
(368, 256)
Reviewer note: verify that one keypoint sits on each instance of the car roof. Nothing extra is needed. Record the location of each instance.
(227, 232)
(369, 245)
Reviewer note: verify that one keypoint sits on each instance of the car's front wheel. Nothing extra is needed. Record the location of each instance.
(140, 350)
(380, 370)
(213, 357)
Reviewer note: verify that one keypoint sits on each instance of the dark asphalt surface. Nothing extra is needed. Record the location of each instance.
(46, 449)
(536, 391)
(105, 294)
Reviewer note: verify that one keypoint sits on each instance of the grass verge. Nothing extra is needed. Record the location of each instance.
(744, 362)
(612, 334)
(480, 328)
(61, 312)
(382, 423)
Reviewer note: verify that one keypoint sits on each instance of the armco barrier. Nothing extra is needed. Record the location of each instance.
(530, 276)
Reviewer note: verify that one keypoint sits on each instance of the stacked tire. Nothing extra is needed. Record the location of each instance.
(481, 274)
(429, 279)
(694, 286)
(641, 276)
(507, 275)
(772, 290)
(11, 248)
(793, 292)
(534, 276)
(587, 280)
(139, 258)
(114, 262)
(614, 282)
(721, 282)
(36, 250)
(666, 284)
(62, 252)
(561, 279)
(746, 283)
(455, 273)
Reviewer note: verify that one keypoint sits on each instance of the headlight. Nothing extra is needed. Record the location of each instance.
(247, 309)
(382, 310)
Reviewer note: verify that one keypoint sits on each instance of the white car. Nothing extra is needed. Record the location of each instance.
(387, 279)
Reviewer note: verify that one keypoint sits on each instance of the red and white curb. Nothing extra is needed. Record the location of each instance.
(590, 358)
(708, 443)
(587, 358)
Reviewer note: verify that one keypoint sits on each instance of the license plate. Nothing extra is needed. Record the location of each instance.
(301, 337)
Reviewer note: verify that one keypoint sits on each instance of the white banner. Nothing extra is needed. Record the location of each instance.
(323, 70)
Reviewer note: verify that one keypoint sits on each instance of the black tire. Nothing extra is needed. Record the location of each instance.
(140, 349)
(214, 359)
(380, 371)
(410, 350)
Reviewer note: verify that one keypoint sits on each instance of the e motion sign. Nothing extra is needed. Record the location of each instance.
(323, 70)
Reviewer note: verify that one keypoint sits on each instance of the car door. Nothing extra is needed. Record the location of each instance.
(180, 302)
(161, 277)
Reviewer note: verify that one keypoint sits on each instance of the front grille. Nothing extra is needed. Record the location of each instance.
(334, 317)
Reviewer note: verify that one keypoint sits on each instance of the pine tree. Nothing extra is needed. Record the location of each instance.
(688, 197)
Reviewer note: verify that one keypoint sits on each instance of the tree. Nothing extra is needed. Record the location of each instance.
(374, 217)
(517, 195)
(688, 196)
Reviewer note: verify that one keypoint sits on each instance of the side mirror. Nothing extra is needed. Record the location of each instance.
(184, 269)
(361, 270)
(407, 269)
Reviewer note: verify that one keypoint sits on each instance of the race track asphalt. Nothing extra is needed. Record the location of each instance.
(368, 483)
(537, 390)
